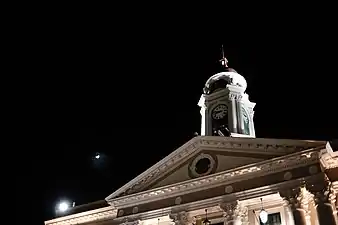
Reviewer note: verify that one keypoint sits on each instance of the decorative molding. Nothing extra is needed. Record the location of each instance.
(212, 204)
(292, 202)
(210, 98)
(178, 200)
(135, 209)
(327, 160)
(288, 175)
(234, 212)
(134, 222)
(235, 96)
(85, 217)
(226, 177)
(231, 211)
(253, 145)
(181, 218)
(228, 189)
(243, 214)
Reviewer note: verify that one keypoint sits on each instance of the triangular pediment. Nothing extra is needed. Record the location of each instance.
(205, 155)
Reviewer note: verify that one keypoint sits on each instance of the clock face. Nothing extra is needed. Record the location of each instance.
(219, 112)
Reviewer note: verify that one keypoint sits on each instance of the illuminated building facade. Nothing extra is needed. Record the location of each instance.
(227, 175)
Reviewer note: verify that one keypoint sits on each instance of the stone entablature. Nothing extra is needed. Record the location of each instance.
(329, 158)
(226, 191)
(273, 147)
(184, 214)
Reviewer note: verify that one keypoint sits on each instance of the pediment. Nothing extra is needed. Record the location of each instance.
(205, 155)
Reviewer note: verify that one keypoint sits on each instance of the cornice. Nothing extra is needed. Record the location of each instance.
(328, 162)
(328, 158)
(214, 96)
(254, 145)
(85, 217)
(226, 177)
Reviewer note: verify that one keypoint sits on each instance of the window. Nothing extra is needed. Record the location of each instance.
(273, 219)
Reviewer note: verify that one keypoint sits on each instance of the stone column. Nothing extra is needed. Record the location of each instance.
(292, 202)
(243, 214)
(181, 218)
(289, 213)
(231, 213)
(333, 197)
(325, 204)
(306, 199)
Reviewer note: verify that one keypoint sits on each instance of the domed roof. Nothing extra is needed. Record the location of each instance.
(228, 69)
(220, 80)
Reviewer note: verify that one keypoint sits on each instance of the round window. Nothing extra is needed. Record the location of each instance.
(203, 164)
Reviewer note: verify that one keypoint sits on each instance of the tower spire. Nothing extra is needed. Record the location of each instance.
(224, 60)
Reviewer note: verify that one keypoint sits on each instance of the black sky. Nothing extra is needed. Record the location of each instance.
(131, 93)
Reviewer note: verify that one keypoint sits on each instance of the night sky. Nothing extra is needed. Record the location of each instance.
(131, 94)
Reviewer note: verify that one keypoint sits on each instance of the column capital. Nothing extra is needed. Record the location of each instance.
(320, 191)
(231, 211)
(133, 222)
(181, 218)
(243, 214)
(299, 199)
(290, 197)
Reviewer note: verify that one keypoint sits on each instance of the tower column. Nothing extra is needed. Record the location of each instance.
(240, 115)
(233, 113)
(203, 122)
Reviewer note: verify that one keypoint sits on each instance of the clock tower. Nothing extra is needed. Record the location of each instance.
(225, 107)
